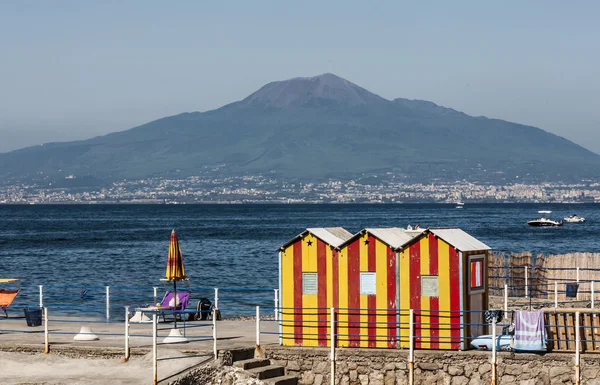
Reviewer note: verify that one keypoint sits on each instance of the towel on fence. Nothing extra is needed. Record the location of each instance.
(530, 331)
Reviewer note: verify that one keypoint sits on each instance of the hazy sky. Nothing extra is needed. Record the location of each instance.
(76, 69)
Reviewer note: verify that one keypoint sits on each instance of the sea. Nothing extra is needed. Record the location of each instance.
(236, 246)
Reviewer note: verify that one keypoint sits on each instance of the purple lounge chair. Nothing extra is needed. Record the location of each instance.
(168, 301)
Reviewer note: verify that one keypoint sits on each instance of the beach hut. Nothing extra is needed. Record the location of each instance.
(308, 266)
(368, 279)
(443, 277)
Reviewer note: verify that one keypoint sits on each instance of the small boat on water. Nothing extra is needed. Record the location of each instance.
(460, 205)
(574, 219)
(544, 222)
(545, 212)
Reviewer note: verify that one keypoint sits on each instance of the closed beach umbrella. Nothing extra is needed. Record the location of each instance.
(175, 271)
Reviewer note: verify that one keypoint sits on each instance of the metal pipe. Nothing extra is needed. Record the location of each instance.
(577, 282)
(276, 300)
(155, 295)
(107, 303)
(216, 298)
(258, 327)
(46, 341)
(154, 349)
(505, 299)
(526, 283)
(41, 295)
(494, 342)
(592, 294)
(126, 333)
(411, 348)
(214, 319)
(332, 343)
(555, 294)
(577, 348)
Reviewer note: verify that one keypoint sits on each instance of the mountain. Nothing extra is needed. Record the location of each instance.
(314, 128)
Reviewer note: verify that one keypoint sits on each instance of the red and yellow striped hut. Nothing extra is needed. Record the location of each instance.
(368, 287)
(443, 277)
(308, 267)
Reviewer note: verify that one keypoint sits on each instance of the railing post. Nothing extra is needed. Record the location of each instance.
(126, 333)
(494, 342)
(276, 300)
(411, 348)
(217, 298)
(526, 283)
(107, 303)
(577, 348)
(41, 295)
(258, 328)
(46, 340)
(506, 299)
(332, 343)
(577, 282)
(154, 349)
(214, 319)
(592, 293)
(555, 294)
(155, 295)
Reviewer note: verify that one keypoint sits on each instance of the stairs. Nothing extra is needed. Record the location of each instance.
(262, 369)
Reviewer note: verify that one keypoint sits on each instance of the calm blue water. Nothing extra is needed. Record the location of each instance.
(236, 245)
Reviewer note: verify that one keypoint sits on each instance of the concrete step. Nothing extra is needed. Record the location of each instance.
(282, 380)
(265, 372)
(252, 363)
(234, 355)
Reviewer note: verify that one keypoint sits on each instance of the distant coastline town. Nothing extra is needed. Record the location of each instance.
(265, 189)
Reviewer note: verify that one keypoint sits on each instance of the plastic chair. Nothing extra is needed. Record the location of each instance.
(168, 301)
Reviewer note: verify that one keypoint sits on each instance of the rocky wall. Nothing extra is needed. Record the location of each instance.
(389, 367)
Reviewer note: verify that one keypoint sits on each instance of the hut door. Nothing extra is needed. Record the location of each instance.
(477, 293)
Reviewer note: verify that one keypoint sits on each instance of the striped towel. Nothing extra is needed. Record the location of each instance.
(530, 331)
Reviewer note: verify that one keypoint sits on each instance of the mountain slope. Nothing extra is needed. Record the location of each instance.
(318, 127)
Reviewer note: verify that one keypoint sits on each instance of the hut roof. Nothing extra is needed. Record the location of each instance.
(392, 236)
(333, 236)
(460, 239)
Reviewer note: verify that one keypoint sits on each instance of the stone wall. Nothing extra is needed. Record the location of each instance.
(389, 367)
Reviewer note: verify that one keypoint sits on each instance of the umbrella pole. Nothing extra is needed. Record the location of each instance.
(175, 303)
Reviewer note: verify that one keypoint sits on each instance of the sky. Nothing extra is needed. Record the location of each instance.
(77, 69)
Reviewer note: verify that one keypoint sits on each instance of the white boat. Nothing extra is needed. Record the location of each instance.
(485, 342)
(574, 219)
(544, 222)
(460, 205)
(545, 212)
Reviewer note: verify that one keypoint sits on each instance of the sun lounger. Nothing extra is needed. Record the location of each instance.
(6, 299)
(176, 307)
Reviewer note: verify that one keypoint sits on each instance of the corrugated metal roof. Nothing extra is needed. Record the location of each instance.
(394, 236)
(333, 236)
(460, 239)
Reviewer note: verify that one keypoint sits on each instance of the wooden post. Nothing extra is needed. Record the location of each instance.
(411, 348)
(46, 340)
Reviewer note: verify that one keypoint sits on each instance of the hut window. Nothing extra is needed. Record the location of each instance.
(476, 274)
(429, 286)
(309, 283)
(367, 283)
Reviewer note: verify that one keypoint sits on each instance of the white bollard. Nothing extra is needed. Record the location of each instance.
(332, 343)
(555, 294)
(107, 303)
(276, 300)
(41, 295)
(154, 349)
(214, 319)
(526, 283)
(126, 333)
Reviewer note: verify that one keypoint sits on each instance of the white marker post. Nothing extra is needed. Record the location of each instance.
(526, 283)
(107, 303)
(411, 348)
(332, 343)
(126, 333)
(154, 349)
(276, 301)
(46, 341)
(41, 295)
